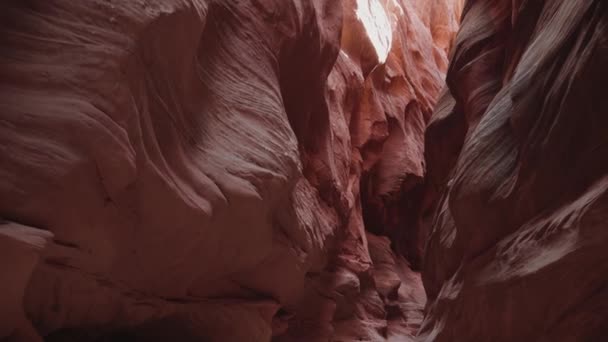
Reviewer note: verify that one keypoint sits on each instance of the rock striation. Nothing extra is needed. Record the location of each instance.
(517, 155)
(214, 170)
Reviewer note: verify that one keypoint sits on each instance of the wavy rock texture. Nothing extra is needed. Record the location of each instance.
(206, 170)
(392, 146)
(517, 154)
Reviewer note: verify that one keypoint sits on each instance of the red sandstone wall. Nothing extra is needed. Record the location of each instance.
(517, 154)
(215, 170)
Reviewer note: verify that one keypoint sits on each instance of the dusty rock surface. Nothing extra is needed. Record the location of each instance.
(213, 170)
(517, 155)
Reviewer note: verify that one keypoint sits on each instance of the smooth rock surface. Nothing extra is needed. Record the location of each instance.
(517, 154)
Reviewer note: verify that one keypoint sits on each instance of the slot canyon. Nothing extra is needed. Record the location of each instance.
(303, 170)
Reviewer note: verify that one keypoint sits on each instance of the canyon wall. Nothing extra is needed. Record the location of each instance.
(214, 170)
(517, 157)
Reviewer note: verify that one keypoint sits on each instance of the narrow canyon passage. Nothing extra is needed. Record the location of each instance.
(303, 170)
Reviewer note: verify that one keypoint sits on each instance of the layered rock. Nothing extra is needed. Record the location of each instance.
(517, 153)
(206, 170)
(380, 101)
(153, 140)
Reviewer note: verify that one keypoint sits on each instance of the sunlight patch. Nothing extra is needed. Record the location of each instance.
(378, 26)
